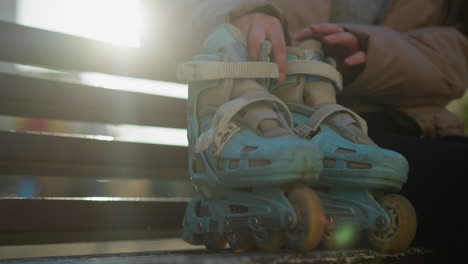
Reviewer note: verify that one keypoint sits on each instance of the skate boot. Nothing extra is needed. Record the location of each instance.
(359, 180)
(248, 166)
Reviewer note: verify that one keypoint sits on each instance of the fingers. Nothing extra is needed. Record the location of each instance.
(326, 28)
(316, 31)
(350, 42)
(303, 34)
(344, 39)
(258, 27)
(273, 32)
(343, 46)
(357, 58)
(255, 38)
(279, 52)
(334, 35)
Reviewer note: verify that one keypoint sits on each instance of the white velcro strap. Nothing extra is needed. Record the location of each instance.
(222, 128)
(317, 68)
(325, 111)
(214, 70)
(304, 131)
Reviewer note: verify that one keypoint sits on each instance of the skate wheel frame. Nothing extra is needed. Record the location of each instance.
(402, 227)
(214, 242)
(269, 241)
(240, 241)
(307, 233)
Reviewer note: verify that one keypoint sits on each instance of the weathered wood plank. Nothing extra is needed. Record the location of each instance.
(54, 218)
(49, 99)
(48, 155)
(32, 46)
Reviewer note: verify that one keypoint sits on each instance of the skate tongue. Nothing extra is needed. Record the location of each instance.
(313, 50)
(345, 125)
(229, 40)
(270, 128)
(224, 35)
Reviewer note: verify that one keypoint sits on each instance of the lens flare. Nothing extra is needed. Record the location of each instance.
(345, 235)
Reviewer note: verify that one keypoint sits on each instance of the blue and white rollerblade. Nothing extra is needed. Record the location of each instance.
(359, 180)
(250, 169)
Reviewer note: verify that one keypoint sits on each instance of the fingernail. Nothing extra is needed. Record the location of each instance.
(282, 77)
(328, 38)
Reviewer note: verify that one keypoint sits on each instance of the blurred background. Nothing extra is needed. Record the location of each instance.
(120, 23)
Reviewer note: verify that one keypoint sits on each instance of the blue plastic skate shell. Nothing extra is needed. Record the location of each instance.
(381, 168)
(352, 172)
(240, 185)
(349, 192)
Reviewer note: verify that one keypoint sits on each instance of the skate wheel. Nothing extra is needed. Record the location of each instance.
(240, 241)
(269, 241)
(307, 233)
(214, 242)
(339, 237)
(402, 227)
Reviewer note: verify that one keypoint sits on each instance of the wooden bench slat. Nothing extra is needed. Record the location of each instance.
(42, 220)
(50, 99)
(33, 46)
(61, 218)
(48, 155)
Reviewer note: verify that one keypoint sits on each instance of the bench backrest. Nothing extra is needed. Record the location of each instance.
(46, 154)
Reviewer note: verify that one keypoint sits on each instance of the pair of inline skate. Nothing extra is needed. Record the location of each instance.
(282, 165)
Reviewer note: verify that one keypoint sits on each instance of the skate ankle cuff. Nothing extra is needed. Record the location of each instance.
(223, 128)
(193, 71)
(317, 68)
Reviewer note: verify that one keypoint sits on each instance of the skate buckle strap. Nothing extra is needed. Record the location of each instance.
(325, 111)
(304, 131)
(222, 128)
(213, 70)
(317, 68)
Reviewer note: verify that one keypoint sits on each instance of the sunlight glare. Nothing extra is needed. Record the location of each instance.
(169, 89)
(114, 21)
(151, 135)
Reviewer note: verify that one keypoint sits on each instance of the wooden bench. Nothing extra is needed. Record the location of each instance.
(57, 219)
(41, 220)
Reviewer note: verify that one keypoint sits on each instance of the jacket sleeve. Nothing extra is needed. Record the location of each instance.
(427, 66)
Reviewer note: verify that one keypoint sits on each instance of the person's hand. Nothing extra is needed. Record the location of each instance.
(258, 27)
(341, 45)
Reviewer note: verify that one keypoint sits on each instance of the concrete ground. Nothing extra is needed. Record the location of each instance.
(176, 251)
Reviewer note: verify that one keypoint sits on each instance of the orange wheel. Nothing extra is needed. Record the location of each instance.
(307, 233)
(402, 228)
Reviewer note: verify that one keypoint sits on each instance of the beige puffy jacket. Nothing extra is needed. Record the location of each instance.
(416, 63)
